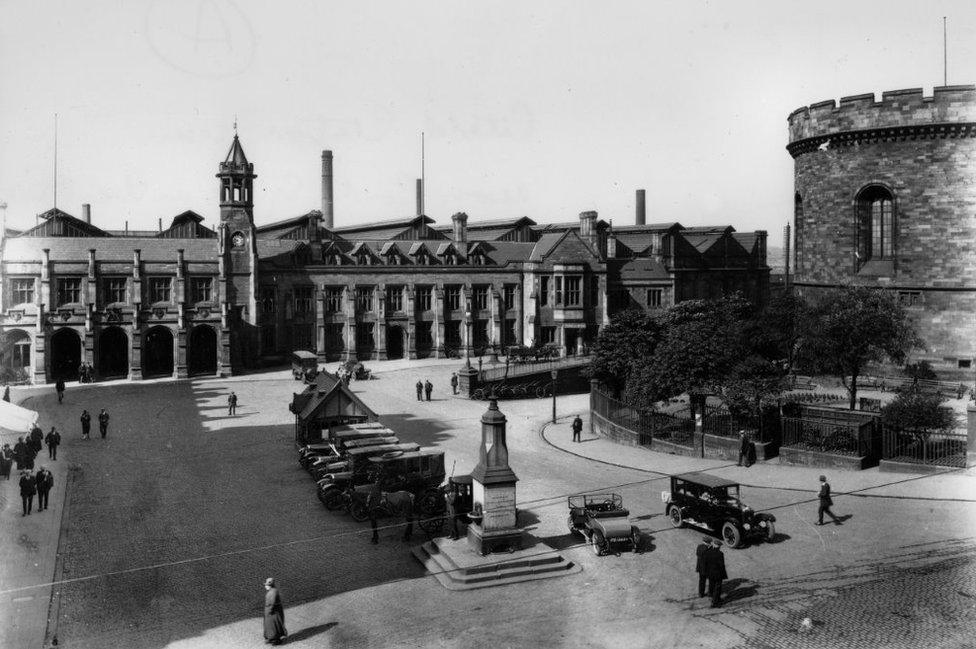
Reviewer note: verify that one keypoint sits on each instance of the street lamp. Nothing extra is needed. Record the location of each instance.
(555, 374)
(467, 339)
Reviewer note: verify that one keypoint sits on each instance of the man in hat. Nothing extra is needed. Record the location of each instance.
(454, 383)
(85, 425)
(450, 500)
(27, 490)
(428, 388)
(825, 502)
(232, 404)
(103, 423)
(715, 569)
(20, 454)
(274, 614)
(59, 388)
(53, 440)
(700, 563)
(420, 390)
(577, 428)
(743, 449)
(43, 481)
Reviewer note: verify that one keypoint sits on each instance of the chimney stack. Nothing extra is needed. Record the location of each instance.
(327, 208)
(86, 213)
(420, 196)
(160, 224)
(460, 221)
(641, 210)
(588, 231)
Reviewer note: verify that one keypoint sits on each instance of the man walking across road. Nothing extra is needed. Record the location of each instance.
(420, 391)
(103, 423)
(27, 491)
(715, 570)
(59, 388)
(454, 383)
(43, 482)
(428, 388)
(825, 502)
(700, 563)
(577, 428)
(53, 440)
(85, 425)
(232, 404)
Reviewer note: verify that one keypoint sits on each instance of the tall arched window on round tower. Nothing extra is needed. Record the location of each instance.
(875, 230)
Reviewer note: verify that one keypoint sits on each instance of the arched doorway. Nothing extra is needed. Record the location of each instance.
(65, 354)
(157, 352)
(201, 352)
(15, 353)
(113, 354)
(394, 341)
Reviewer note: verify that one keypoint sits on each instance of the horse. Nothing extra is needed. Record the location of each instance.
(369, 501)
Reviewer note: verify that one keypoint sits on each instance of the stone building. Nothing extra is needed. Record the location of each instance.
(188, 300)
(884, 196)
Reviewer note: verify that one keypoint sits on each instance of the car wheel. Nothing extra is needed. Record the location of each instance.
(332, 499)
(770, 531)
(598, 543)
(674, 515)
(731, 535)
(359, 512)
(635, 538)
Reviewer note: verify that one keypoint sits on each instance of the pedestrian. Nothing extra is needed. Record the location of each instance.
(20, 454)
(36, 439)
(6, 461)
(91, 373)
(420, 390)
(232, 404)
(744, 449)
(43, 482)
(30, 452)
(27, 490)
(59, 388)
(103, 423)
(825, 502)
(274, 614)
(454, 383)
(700, 563)
(715, 570)
(450, 500)
(428, 388)
(577, 428)
(85, 425)
(53, 440)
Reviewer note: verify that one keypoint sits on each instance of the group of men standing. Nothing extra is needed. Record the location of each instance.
(710, 567)
(103, 418)
(39, 484)
(424, 388)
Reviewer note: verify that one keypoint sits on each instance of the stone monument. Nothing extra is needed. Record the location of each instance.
(494, 523)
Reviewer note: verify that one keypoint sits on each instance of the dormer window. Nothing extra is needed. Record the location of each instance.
(422, 258)
(363, 259)
(450, 259)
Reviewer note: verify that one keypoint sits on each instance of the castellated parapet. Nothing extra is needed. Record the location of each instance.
(885, 195)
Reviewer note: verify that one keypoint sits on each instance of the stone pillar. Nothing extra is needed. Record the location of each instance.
(351, 354)
(40, 360)
(971, 441)
(379, 329)
(439, 316)
(180, 366)
(497, 315)
(320, 327)
(495, 523)
(412, 325)
(135, 350)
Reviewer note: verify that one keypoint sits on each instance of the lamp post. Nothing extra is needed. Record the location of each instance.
(554, 373)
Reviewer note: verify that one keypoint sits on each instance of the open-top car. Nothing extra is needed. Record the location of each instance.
(713, 504)
(602, 520)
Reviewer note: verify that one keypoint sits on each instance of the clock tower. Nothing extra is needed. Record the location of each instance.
(238, 261)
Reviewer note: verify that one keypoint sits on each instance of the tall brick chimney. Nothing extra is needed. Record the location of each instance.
(327, 207)
(641, 217)
(86, 213)
(420, 197)
(460, 221)
(588, 231)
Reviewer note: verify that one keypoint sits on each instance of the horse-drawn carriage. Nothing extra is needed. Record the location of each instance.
(419, 473)
(335, 475)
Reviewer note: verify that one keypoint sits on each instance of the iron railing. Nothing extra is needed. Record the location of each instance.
(645, 425)
(510, 370)
(937, 449)
(828, 436)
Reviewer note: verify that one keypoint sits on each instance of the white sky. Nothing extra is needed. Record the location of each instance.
(542, 109)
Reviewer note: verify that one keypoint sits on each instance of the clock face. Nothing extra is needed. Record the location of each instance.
(237, 240)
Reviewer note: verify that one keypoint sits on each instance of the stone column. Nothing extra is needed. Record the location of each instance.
(379, 331)
(320, 327)
(412, 321)
(493, 489)
(497, 315)
(439, 317)
(351, 323)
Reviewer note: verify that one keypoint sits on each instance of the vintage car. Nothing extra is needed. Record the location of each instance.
(304, 365)
(351, 468)
(712, 503)
(602, 520)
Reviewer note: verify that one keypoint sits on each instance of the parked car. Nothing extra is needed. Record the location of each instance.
(302, 362)
(602, 520)
(712, 503)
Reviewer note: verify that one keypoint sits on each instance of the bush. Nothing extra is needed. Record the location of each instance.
(921, 370)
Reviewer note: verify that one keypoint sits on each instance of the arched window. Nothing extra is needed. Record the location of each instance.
(875, 225)
(797, 231)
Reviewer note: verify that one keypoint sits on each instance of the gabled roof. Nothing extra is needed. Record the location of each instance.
(416, 247)
(185, 217)
(235, 155)
(58, 223)
(329, 388)
(392, 223)
(545, 243)
(390, 248)
(649, 227)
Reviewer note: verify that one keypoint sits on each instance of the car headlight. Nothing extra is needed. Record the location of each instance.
(762, 523)
(747, 526)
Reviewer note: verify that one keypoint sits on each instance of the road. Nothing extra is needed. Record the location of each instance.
(174, 520)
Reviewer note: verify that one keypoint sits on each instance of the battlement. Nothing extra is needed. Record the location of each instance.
(897, 108)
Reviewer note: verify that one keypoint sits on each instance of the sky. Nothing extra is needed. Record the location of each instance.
(538, 109)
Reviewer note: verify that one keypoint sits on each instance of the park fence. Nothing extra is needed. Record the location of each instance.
(644, 425)
(937, 449)
(828, 430)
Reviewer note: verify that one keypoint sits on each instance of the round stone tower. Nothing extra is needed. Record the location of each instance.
(885, 195)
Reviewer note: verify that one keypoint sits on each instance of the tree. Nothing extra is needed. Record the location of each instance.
(779, 330)
(917, 414)
(856, 326)
(750, 382)
(631, 336)
(702, 341)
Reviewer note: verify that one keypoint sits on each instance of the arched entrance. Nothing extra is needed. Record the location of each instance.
(394, 341)
(113, 354)
(15, 353)
(65, 355)
(157, 352)
(201, 351)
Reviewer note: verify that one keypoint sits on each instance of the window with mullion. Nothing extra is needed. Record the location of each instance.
(201, 289)
(69, 290)
(394, 298)
(479, 295)
(160, 289)
(22, 290)
(114, 289)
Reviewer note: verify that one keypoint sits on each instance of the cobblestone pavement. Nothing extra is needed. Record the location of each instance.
(177, 517)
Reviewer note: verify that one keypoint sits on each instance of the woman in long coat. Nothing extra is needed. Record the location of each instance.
(274, 614)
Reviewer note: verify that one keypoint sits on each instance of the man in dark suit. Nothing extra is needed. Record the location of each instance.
(420, 391)
(85, 425)
(103, 423)
(59, 388)
(715, 570)
(27, 491)
(825, 502)
(744, 444)
(700, 563)
(53, 440)
(450, 500)
(43, 481)
(428, 388)
(577, 428)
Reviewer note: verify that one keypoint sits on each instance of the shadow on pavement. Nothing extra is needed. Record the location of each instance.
(738, 588)
(426, 432)
(309, 632)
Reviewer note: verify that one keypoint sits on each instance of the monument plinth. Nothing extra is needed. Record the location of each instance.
(494, 525)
